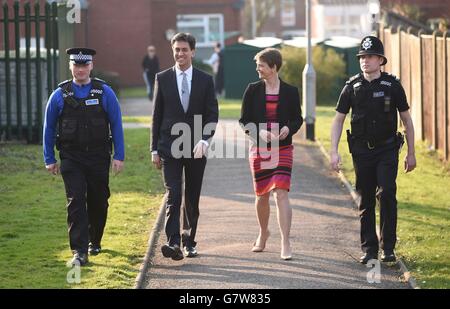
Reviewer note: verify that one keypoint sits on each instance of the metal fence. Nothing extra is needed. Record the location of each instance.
(422, 62)
(28, 67)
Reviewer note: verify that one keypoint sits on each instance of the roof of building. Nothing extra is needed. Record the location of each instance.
(263, 42)
(341, 2)
(342, 42)
(301, 42)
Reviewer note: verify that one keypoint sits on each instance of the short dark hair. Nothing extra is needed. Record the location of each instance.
(271, 56)
(184, 37)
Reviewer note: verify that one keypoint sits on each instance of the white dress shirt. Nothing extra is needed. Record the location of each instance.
(179, 75)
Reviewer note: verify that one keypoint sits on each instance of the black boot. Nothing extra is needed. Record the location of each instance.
(79, 259)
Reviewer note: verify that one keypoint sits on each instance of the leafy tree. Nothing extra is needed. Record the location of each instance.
(329, 67)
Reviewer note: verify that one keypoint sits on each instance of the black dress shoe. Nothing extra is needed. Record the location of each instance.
(79, 259)
(94, 249)
(388, 256)
(367, 257)
(173, 252)
(190, 252)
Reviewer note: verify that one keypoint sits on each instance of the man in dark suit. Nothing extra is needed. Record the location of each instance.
(185, 115)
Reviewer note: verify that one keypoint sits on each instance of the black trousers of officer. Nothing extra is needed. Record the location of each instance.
(172, 170)
(376, 173)
(86, 179)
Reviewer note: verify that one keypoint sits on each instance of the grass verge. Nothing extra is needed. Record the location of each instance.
(423, 207)
(33, 233)
(133, 92)
(137, 119)
(229, 109)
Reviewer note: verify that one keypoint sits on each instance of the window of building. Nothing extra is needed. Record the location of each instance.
(207, 29)
(288, 13)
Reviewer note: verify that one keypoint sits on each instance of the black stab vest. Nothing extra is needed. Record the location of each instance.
(83, 124)
(374, 115)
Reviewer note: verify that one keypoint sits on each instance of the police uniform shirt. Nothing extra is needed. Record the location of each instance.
(377, 87)
(55, 107)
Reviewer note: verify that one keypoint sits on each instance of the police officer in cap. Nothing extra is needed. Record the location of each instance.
(83, 120)
(374, 98)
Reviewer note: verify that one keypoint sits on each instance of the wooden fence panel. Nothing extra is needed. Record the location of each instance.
(427, 88)
(415, 100)
(387, 49)
(405, 64)
(447, 152)
(395, 56)
(423, 63)
(440, 94)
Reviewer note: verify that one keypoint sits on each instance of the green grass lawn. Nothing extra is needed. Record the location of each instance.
(229, 109)
(133, 92)
(33, 233)
(137, 119)
(423, 208)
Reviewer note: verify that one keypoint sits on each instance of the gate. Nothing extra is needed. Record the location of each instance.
(28, 67)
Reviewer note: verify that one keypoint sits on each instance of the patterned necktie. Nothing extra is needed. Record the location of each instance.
(184, 93)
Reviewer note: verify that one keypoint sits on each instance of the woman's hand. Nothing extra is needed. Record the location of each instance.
(267, 136)
(284, 132)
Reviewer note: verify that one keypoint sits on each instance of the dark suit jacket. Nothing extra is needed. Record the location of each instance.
(167, 109)
(253, 109)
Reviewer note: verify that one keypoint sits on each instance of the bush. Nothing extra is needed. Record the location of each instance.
(329, 67)
(202, 66)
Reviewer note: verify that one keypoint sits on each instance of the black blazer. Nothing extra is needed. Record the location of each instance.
(167, 109)
(253, 110)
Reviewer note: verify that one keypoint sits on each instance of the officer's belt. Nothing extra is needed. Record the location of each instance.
(371, 144)
(86, 148)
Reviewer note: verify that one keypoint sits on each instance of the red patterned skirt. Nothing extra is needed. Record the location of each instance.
(271, 168)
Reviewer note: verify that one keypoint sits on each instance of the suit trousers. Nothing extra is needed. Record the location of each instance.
(172, 170)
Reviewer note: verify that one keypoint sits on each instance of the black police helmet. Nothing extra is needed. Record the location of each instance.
(371, 45)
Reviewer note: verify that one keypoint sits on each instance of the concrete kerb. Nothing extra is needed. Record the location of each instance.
(406, 273)
(152, 243)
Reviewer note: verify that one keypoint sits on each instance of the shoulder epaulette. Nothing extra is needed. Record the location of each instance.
(100, 80)
(353, 78)
(392, 76)
(64, 83)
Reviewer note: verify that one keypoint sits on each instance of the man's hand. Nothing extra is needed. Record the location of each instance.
(267, 136)
(284, 132)
(117, 166)
(53, 168)
(410, 162)
(199, 150)
(156, 160)
(335, 161)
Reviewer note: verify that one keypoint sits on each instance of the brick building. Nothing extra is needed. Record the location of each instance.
(120, 30)
(286, 19)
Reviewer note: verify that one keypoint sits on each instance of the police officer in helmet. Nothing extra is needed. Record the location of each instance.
(374, 98)
(83, 120)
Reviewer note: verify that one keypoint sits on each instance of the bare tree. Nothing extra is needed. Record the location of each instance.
(262, 8)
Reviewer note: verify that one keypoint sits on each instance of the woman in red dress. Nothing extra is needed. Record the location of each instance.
(270, 115)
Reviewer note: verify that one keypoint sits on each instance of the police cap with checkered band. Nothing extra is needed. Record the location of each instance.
(80, 55)
(371, 45)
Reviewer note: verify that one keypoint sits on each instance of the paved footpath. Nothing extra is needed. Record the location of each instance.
(136, 106)
(324, 235)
